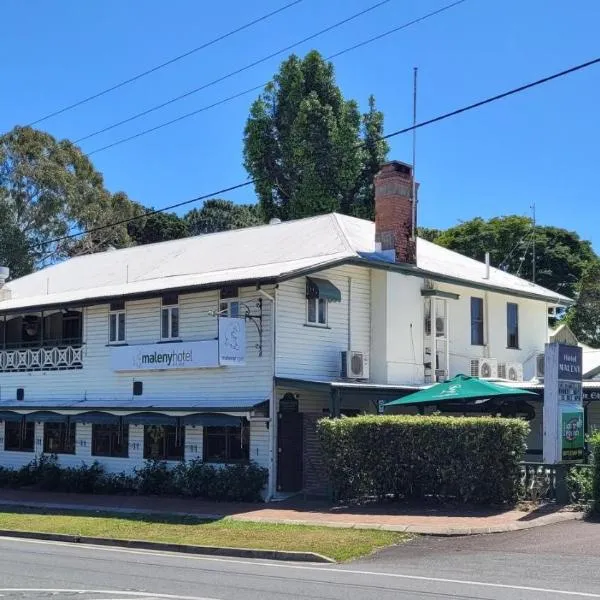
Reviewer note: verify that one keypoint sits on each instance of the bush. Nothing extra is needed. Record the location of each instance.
(594, 442)
(465, 459)
(579, 482)
(234, 483)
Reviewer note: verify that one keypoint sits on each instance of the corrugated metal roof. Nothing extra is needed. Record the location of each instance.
(268, 252)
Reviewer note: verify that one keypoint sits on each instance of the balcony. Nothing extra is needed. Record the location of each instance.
(57, 358)
(45, 341)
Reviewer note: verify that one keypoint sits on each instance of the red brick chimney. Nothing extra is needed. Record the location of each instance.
(394, 212)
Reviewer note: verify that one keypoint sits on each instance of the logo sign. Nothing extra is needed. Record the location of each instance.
(569, 363)
(166, 357)
(572, 435)
(232, 341)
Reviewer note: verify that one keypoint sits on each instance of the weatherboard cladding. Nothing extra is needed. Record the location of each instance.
(99, 386)
(305, 351)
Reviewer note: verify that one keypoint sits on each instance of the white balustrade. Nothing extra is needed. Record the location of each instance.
(42, 359)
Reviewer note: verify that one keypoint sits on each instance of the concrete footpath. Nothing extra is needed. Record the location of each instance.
(428, 519)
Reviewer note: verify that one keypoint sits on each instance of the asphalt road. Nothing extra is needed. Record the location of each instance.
(560, 561)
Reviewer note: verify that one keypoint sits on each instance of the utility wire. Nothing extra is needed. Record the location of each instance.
(232, 73)
(165, 64)
(390, 135)
(262, 85)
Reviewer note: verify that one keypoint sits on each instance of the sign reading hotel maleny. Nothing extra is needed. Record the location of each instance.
(152, 357)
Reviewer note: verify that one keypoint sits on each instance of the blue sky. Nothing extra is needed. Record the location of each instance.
(540, 146)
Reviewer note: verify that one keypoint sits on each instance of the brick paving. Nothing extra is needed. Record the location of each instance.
(425, 519)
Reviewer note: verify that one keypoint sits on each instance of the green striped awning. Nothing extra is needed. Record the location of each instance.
(322, 288)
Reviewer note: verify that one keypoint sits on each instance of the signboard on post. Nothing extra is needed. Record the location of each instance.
(563, 407)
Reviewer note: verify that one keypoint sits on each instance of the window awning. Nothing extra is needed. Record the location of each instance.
(149, 418)
(45, 416)
(7, 415)
(212, 420)
(322, 288)
(96, 418)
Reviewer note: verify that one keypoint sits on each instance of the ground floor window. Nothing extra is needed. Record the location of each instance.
(164, 442)
(226, 444)
(19, 436)
(59, 438)
(110, 440)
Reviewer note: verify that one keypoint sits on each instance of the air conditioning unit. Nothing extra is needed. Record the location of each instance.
(484, 368)
(513, 371)
(539, 365)
(355, 365)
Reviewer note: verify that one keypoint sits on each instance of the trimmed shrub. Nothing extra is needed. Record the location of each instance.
(467, 459)
(579, 482)
(594, 442)
(234, 483)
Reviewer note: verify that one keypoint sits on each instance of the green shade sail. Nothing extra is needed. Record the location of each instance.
(461, 387)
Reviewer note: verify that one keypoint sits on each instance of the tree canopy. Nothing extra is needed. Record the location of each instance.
(49, 189)
(561, 255)
(584, 317)
(308, 149)
(157, 227)
(222, 215)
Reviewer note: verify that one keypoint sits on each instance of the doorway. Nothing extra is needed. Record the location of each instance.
(290, 462)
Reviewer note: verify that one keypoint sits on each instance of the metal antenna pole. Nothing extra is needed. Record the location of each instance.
(533, 246)
(414, 156)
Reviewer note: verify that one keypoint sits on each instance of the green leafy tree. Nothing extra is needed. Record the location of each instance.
(48, 189)
(584, 317)
(157, 227)
(308, 149)
(561, 255)
(222, 215)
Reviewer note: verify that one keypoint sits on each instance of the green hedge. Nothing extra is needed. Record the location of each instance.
(594, 442)
(466, 459)
(235, 483)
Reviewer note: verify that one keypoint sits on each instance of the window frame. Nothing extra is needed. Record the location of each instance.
(116, 314)
(479, 323)
(317, 322)
(23, 426)
(68, 433)
(170, 305)
(123, 430)
(512, 338)
(229, 433)
(164, 455)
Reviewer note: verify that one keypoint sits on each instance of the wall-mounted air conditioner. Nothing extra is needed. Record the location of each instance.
(484, 368)
(355, 365)
(513, 371)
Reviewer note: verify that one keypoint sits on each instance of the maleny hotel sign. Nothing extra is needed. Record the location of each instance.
(228, 349)
(563, 408)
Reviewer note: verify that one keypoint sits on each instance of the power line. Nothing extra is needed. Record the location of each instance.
(165, 64)
(395, 133)
(232, 73)
(262, 85)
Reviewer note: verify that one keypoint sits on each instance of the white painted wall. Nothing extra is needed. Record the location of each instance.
(533, 328)
(259, 448)
(313, 352)
(97, 382)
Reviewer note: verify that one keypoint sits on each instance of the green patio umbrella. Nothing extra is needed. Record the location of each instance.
(461, 387)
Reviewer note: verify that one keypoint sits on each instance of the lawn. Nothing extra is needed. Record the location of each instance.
(339, 544)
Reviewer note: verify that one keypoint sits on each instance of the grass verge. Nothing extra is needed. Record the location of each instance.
(339, 544)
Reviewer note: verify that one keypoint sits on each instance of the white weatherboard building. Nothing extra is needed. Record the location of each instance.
(229, 347)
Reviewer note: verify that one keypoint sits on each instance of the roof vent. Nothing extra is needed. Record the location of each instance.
(274, 221)
(4, 273)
